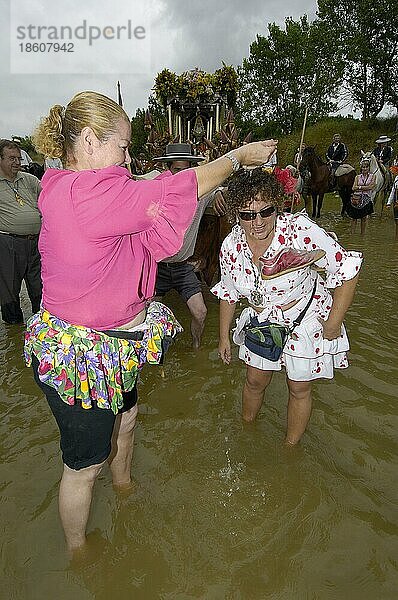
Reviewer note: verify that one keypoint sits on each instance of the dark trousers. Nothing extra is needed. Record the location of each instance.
(19, 261)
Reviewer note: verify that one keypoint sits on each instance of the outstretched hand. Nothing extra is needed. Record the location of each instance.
(220, 205)
(256, 153)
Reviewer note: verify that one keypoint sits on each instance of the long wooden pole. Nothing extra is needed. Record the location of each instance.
(119, 95)
(300, 147)
(302, 136)
(120, 102)
(170, 121)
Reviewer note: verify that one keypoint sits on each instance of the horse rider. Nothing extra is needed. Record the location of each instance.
(384, 154)
(336, 155)
(337, 152)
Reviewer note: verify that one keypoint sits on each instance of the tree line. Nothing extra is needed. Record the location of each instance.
(347, 55)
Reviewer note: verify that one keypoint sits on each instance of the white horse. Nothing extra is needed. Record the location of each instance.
(382, 180)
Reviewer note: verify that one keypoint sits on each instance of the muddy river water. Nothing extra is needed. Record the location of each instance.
(219, 510)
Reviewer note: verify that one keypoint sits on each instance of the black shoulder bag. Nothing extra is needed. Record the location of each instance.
(268, 339)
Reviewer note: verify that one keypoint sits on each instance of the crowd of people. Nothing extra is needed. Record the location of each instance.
(98, 248)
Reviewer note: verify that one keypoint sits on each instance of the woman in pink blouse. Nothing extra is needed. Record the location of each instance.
(319, 343)
(101, 238)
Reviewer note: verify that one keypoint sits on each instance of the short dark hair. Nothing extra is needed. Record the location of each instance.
(255, 184)
(8, 144)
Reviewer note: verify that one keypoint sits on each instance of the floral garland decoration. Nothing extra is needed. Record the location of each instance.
(286, 179)
(289, 184)
(197, 86)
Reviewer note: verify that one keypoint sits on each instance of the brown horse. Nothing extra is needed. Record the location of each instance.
(212, 231)
(321, 181)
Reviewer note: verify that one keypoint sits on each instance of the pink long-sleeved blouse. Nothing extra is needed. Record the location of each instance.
(102, 235)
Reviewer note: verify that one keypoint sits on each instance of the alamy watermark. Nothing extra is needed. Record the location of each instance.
(87, 38)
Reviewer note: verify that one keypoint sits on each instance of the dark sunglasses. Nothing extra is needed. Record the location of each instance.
(250, 215)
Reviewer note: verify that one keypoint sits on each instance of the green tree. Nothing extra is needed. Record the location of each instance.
(158, 114)
(366, 38)
(287, 71)
(25, 143)
(392, 91)
(139, 133)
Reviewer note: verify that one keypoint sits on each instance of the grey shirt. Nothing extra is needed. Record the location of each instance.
(22, 219)
(191, 233)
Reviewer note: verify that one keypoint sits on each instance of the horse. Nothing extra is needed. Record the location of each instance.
(383, 181)
(212, 231)
(320, 180)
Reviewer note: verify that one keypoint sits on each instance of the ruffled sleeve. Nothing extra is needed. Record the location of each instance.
(108, 202)
(339, 264)
(225, 289)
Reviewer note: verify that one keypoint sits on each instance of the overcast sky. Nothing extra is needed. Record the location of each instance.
(181, 35)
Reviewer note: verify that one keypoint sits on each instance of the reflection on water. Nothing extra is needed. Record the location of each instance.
(220, 510)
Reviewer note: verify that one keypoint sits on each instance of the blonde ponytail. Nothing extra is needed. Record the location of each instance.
(57, 133)
(48, 138)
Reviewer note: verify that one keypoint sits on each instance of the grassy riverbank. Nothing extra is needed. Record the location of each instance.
(356, 134)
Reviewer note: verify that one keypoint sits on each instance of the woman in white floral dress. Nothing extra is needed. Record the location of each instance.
(319, 343)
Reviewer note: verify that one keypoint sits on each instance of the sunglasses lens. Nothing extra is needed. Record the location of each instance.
(250, 215)
(247, 216)
(267, 212)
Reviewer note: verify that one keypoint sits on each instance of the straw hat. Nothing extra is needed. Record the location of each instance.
(383, 139)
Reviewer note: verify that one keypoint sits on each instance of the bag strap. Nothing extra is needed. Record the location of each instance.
(302, 314)
(299, 318)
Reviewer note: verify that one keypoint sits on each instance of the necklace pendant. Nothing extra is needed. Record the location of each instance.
(19, 199)
(256, 298)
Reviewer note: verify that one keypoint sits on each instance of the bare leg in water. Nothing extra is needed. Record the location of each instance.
(76, 488)
(198, 310)
(254, 388)
(298, 410)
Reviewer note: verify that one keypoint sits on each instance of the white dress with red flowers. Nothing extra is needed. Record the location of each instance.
(306, 355)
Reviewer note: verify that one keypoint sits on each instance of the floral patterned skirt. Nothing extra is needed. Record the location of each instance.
(85, 364)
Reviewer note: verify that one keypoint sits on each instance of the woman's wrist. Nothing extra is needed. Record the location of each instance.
(239, 154)
(235, 162)
(224, 336)
(334, 320)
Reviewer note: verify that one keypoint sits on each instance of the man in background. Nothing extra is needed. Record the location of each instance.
(384, 154)
(383, 151)
(176, 272)
(337, 152)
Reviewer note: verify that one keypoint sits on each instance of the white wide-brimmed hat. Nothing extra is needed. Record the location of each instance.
(382, 139)
(179, 152)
